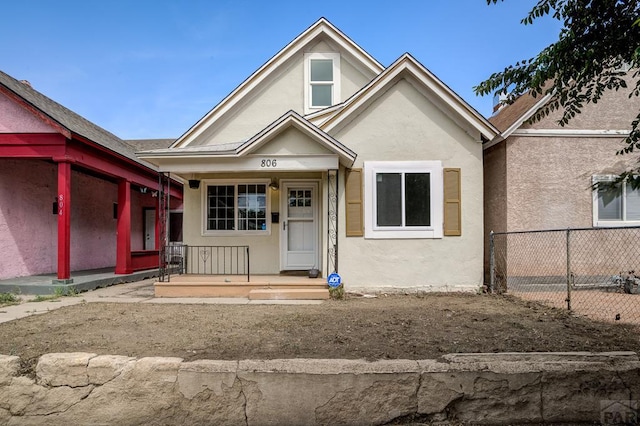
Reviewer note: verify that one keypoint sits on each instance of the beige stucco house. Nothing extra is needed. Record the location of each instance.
(324, 158)
(539, 175)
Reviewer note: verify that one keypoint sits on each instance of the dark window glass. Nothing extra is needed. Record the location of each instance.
(417, 198)
(388, 199)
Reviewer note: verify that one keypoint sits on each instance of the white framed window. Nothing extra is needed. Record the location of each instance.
(615, 206)
(403, 199)
(322, 80)
(236, 207)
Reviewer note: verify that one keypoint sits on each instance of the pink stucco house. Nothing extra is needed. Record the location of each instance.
(72, 195)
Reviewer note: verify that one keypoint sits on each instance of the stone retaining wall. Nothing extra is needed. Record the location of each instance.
(82, 388)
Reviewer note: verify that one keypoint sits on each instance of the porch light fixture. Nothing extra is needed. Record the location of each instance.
(274, 185)
(143, 189)
(194, 183)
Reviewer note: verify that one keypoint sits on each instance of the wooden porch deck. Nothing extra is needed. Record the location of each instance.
(261, 287)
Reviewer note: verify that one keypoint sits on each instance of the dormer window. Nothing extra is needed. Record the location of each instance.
(322, 80)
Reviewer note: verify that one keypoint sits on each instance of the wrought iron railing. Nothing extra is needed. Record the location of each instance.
(206, 260)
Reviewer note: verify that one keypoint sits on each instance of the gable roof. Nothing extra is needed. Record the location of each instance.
(240, 149)
(68, 121)
(293, 119)
(319, 28)
(408, 65)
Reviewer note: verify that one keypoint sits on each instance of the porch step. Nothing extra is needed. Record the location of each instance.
(289, 294)
(219, 286)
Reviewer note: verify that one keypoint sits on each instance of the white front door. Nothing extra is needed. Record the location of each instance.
(299, 231)
(149, 229)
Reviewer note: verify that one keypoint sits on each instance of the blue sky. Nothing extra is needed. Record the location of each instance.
(152, 68)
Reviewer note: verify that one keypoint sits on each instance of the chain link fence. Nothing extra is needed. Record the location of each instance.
(593, 272)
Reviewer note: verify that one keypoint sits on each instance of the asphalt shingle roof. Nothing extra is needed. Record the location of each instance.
(509, 114)
(149, 144)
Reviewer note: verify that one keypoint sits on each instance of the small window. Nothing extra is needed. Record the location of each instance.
(236, 207)
(322, 88)
(615, 205)
(403, 199)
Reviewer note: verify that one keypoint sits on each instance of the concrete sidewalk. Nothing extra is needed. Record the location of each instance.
(133, 292)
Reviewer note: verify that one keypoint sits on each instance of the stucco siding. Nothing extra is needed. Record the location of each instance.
(27, 225)
(495, 195)
(292, 142)
(282, 93)
(29, 229)
(403, 125)
(614, 111)
(15, 119)
(93, 228)
(549, 179)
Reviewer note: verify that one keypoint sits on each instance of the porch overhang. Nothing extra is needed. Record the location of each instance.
(202, 163)
(327, 153)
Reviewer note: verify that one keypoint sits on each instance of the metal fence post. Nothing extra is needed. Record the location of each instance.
(568, 270)
(492, 264)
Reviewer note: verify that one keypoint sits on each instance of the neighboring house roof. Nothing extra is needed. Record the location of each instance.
(445, 98)
(68, 120)
(510, 117)
(321, 27)
(147, 144)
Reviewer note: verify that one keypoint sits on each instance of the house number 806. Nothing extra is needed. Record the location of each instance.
(268, 163)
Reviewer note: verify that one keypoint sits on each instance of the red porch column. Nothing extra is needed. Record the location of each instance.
(123, 243)
(64, 222)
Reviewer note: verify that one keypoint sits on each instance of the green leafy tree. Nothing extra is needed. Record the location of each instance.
(599, 41)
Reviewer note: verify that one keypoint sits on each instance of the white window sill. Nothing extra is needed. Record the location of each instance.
(615, 223)
(237, 233)
(400, 234)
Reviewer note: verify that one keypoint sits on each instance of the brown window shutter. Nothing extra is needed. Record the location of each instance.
(452, 203)
(353, 197)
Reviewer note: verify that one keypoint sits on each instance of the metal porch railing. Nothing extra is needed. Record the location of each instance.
(205, 260)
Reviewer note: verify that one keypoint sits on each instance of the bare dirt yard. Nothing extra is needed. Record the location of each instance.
(385, 327)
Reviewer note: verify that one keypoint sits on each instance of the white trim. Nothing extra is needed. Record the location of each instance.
(335, 83)
(571, 133)
(434, 168)
(248, 163)
(317, 185)
(594, 203)
(560, 133)
(204, 206)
